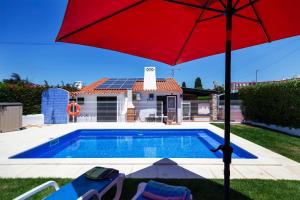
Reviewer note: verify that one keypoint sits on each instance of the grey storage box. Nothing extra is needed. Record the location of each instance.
(10, 116)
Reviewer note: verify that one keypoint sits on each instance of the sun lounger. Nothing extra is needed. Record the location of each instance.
(80, 188)
(161, 191)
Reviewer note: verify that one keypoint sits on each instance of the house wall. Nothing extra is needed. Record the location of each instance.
(88, 112)
(145, 107)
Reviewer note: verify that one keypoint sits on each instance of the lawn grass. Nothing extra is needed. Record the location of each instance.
(286, 145)
(201, 188)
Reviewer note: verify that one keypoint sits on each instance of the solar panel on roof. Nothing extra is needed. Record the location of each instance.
(121, 83)
(118, 83)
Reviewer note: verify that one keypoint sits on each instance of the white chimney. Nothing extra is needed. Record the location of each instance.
(129, 99)
(149, 78)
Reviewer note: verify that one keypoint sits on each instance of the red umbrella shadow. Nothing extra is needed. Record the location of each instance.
(168, 171)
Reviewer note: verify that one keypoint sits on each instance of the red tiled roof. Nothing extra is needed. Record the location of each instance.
(169, 85)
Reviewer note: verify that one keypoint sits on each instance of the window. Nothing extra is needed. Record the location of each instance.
(151, 97)
(171, 102)
(80, 100)
(136, 96)
(72, 100)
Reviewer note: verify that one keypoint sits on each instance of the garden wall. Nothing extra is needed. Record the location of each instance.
(290, 131)
(32, 120)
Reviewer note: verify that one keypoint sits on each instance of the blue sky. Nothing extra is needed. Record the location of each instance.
(28, 29)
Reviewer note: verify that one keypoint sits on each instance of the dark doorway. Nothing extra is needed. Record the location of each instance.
(172, 108)
(162, 100)
(106, 109)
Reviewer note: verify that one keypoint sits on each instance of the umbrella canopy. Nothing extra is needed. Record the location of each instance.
(174, 32)
(177, 31)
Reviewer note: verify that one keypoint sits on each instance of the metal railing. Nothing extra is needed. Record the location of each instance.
(116, 111)
(196, 110)
(153, 111)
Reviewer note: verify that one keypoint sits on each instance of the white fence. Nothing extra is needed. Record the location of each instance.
(146, 111)
(196, 110)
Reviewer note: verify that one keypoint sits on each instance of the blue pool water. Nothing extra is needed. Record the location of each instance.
(187, 143)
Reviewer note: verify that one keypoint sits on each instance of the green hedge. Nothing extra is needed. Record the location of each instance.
(28, 95)
(272, 103)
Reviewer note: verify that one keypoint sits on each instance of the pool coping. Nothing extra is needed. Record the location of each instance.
(32, 137)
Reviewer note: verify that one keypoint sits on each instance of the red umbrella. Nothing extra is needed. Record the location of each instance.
(177, 31)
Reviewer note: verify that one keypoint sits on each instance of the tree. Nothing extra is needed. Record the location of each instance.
(183, 85)
(69, 87)
(198, 83)
(219, 89)
(46, 84)
(14, 79)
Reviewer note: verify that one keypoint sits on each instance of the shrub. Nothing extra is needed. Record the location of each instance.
(29, 95)
(272, 103)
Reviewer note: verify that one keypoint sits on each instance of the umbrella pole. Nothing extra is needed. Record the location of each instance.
(227, 149)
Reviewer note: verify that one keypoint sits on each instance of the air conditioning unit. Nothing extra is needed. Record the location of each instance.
(151, 97)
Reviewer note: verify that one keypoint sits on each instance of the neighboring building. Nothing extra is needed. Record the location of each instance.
(131, 99)
(195, 109)
(194, 94)
(236, 86)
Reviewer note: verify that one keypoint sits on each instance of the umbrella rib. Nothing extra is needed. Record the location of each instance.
(102, 19)
(245, 17)
(196, 6)
(236, 3)
(191, 33)
(261, 23)
(209, 18)
(222, 2)
(246, 5)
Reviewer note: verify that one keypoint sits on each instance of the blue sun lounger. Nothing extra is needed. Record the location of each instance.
(80, 188)
(161, 191)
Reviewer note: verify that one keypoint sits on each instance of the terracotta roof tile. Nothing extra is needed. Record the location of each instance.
(169, 85)
(91, 89)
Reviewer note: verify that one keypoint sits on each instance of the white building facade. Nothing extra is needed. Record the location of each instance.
(147, 99)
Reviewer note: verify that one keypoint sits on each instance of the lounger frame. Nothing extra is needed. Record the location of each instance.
(118, 182)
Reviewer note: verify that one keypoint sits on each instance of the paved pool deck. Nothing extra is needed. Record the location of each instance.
(268, 165)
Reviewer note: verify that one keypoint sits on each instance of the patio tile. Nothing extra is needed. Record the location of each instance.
(280, 172)
(12, 171)
(198, 171)
(171, 171)
(144, 171)
(125, 169)
(252, 172)
(63, 171)
(218, 171)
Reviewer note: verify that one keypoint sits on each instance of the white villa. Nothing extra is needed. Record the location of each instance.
(131, 99)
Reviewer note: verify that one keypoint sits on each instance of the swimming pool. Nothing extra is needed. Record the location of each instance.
(137, 143)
